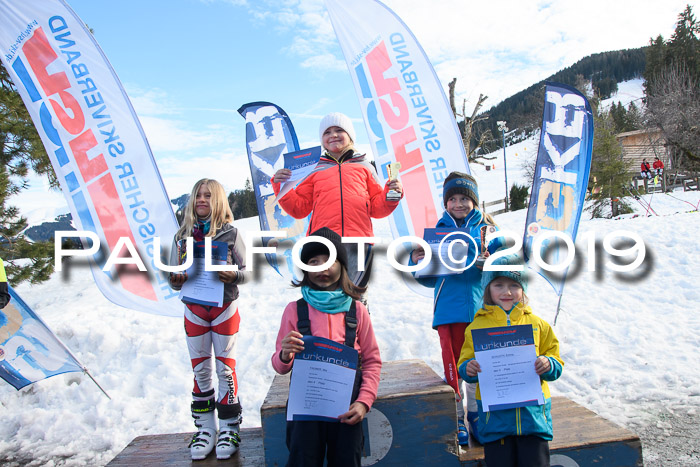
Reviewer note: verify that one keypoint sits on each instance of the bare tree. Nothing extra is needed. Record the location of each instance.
(528, 165)
(469, 121)
(673, 105)
(452, 85)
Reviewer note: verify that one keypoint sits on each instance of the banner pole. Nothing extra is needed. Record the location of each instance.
(85, 370)
(556, 315)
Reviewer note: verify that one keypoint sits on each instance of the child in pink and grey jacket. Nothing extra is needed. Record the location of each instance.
(330, 308)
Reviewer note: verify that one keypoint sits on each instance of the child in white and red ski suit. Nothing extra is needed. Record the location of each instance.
(212, 330)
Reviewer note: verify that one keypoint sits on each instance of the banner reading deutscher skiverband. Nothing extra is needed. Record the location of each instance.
(270, 134)
(407, 115)
(29, 351)
(561, 174)
(95, 142)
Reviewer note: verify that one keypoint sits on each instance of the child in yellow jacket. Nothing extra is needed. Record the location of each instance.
(518, 436)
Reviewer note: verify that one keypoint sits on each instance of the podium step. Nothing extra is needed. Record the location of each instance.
(581, 437)
(413, 422)
(171, 450)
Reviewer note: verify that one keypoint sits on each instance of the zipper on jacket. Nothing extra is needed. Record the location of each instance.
(340, 179)
(342, 217)
(438, 295)
(469, 216)
(507, 314)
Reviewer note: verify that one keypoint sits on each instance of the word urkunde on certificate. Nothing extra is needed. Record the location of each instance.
(322, 380)
(507, 358)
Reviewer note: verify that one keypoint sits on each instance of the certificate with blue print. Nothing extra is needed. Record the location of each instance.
(323, 376)
(302, 163)
(507, 358)
(450, 249)
(203, 287)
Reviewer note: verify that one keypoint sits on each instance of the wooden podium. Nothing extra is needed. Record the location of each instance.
(171, 450)
(413, 422)
(581, 438)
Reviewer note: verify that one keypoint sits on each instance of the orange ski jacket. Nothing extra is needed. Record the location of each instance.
(341, 195)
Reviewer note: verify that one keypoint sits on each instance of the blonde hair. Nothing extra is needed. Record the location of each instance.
(220, 210)
(488, 219)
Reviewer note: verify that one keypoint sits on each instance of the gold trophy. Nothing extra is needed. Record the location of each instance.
(485, 230)
(393, 172)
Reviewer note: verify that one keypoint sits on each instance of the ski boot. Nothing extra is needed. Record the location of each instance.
(462, 433)
(229, 438)
(205, 420)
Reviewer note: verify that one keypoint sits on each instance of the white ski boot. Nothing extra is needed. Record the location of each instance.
(229, 439)
(204, 440)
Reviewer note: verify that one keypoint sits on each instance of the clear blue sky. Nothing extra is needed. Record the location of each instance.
(188, 65)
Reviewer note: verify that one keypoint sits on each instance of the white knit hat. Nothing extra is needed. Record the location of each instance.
(336, 119)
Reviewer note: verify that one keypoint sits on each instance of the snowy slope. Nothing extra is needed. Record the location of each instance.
(627, 92)
(629, 341)
(615, 334)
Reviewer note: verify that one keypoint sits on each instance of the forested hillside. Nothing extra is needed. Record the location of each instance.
(523, 111)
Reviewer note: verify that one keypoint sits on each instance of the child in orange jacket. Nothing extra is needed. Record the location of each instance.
(343, 193)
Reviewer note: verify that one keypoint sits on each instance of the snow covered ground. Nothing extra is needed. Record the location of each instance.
(627, 93)
(629, 340)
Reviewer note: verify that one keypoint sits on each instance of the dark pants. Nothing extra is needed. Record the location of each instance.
(359, 278)
(517, 451)
(309, 442)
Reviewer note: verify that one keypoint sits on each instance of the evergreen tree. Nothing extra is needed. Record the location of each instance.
(605, 87)
(681, 51)
(635, 119)
(672, 89)
(243, 203)
(609, 175)
(20, 150)
(625, 119)
(618, 114)
(684, 46)
(518, 197)
(656, 59)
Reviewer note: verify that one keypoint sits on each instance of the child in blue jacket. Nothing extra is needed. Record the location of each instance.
(458, 296)
(518, 436)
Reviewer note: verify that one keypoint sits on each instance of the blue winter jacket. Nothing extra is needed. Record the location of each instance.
(458, 296)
